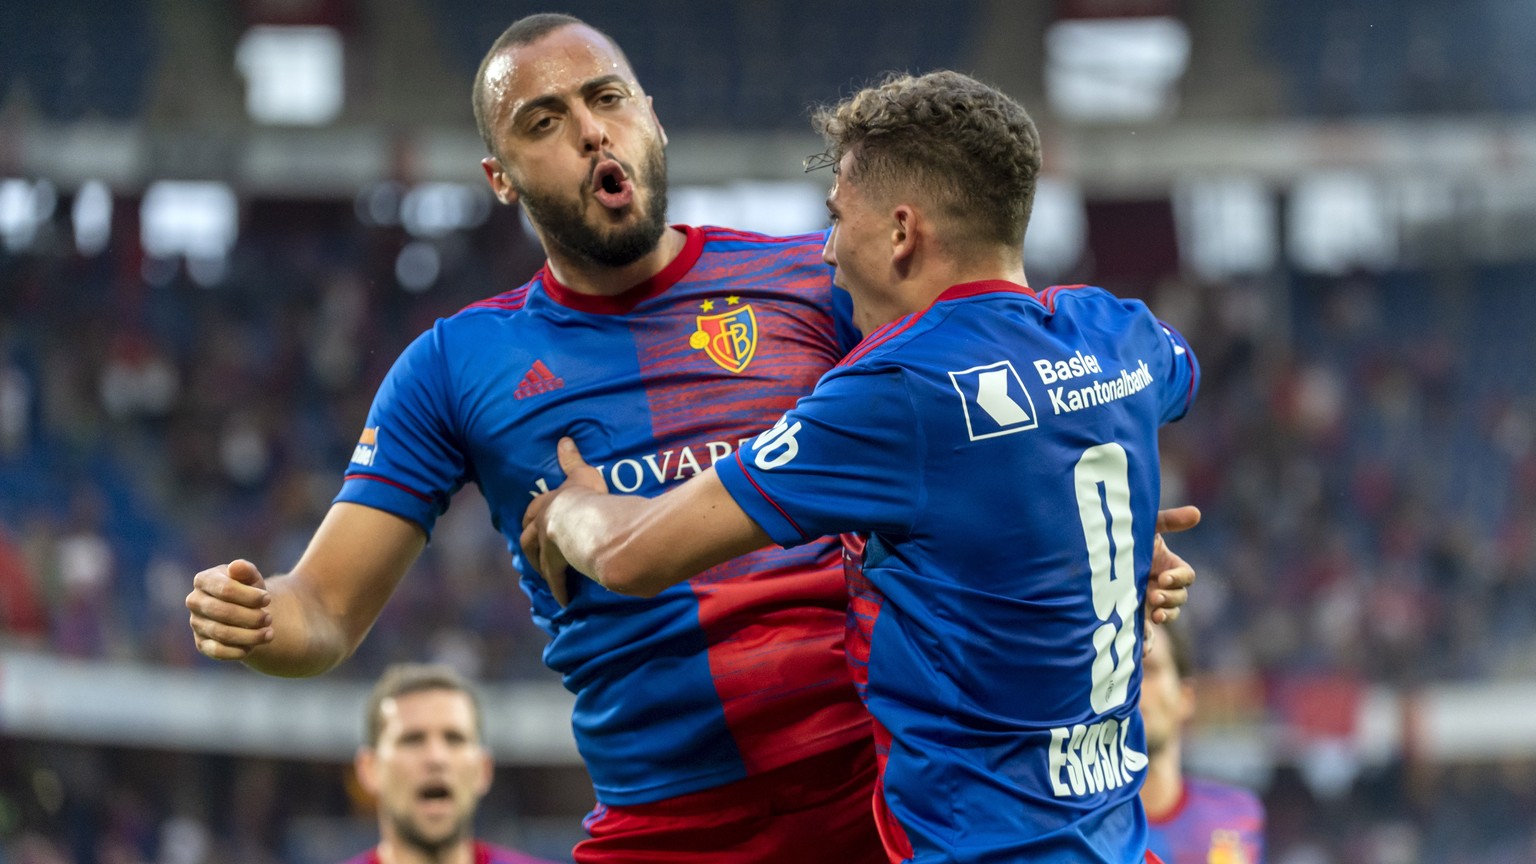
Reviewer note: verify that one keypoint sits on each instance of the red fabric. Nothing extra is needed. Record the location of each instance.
(21, 611)
(816, 811)
(623, 304)
(1152, 858)
(897, 845)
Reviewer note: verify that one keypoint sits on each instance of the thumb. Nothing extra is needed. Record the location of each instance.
(569, 456)
(245, 572)
(1177, 519)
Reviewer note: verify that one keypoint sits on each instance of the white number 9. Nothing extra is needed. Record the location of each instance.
(1114, 582)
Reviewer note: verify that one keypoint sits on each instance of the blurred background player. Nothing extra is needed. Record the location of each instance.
(1190, 821)
(426, 768)
(994, 630)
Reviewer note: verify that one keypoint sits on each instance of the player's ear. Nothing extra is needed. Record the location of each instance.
(904, 230)
(501, 181)
(487, 772)
(1186, 707)
(365, 765)
(651, 104)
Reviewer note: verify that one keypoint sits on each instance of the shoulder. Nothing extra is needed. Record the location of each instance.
(468, 328)
(728, 253)
(1061, 298)
(727, 237)
(501, 305)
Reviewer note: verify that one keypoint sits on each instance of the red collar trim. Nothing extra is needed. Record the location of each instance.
(985, 286)
(886, 332)
(621, 304)
(1175, 810)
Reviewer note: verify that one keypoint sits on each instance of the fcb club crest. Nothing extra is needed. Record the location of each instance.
(728, 338)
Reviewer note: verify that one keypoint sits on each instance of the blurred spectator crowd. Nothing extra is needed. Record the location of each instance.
(1364, 449)
(151, 427)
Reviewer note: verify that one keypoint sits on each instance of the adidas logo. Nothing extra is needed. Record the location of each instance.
(537, 380)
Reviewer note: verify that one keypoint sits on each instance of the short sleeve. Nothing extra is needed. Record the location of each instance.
(1183, 378)
(845, 458)
(408, 461)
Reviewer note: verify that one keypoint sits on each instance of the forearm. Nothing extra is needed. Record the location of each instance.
(307, 638)
(597, 535)
(643, 546)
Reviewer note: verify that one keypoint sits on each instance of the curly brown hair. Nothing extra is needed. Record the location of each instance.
(970, 149)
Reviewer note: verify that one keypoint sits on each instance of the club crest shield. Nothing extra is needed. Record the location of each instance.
(729, 339)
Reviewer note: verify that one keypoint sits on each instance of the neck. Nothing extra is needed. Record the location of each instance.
(920, 287)
(1164, 782)
(585, 277)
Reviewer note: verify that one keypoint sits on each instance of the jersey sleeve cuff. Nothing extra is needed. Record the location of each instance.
(752, 499)
(381, 493)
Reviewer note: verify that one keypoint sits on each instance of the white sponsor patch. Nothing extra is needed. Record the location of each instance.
(994, 400)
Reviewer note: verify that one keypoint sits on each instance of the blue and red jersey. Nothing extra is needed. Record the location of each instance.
(739, 670)
(485, 853)
(1212, 823)
(998, 453)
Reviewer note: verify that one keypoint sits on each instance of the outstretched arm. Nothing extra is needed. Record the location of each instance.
(630, 544)
(313, 618)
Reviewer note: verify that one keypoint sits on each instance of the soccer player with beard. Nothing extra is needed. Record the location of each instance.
(426, 768)
(717, 720)
(1190, 821)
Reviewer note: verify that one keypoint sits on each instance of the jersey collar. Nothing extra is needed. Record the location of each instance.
(985, 286)
(620, 304)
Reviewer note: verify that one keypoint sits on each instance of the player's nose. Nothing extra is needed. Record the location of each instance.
(593, 131)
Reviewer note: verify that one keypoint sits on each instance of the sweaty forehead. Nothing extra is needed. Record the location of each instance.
(556, 64)
(427, 709)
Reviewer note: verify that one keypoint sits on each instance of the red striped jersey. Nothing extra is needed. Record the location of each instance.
(739, 670)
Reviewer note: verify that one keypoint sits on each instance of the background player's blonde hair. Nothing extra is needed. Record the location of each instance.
(405, 678)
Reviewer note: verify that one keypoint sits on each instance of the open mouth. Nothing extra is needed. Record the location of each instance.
(435, 792)
(611, 187)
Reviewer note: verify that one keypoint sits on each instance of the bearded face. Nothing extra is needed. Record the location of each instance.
(614, 237)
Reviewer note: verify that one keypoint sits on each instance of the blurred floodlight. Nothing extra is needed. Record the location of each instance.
(379, 203)
(208, 272)
(436, 209)
(1227, 226)
(1058, 229)
(1115, 68)
(24, 207)
(293, 75)
(1340, 221)
(794, 207)
(92, 218)
(417, 267)
(187, 218)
